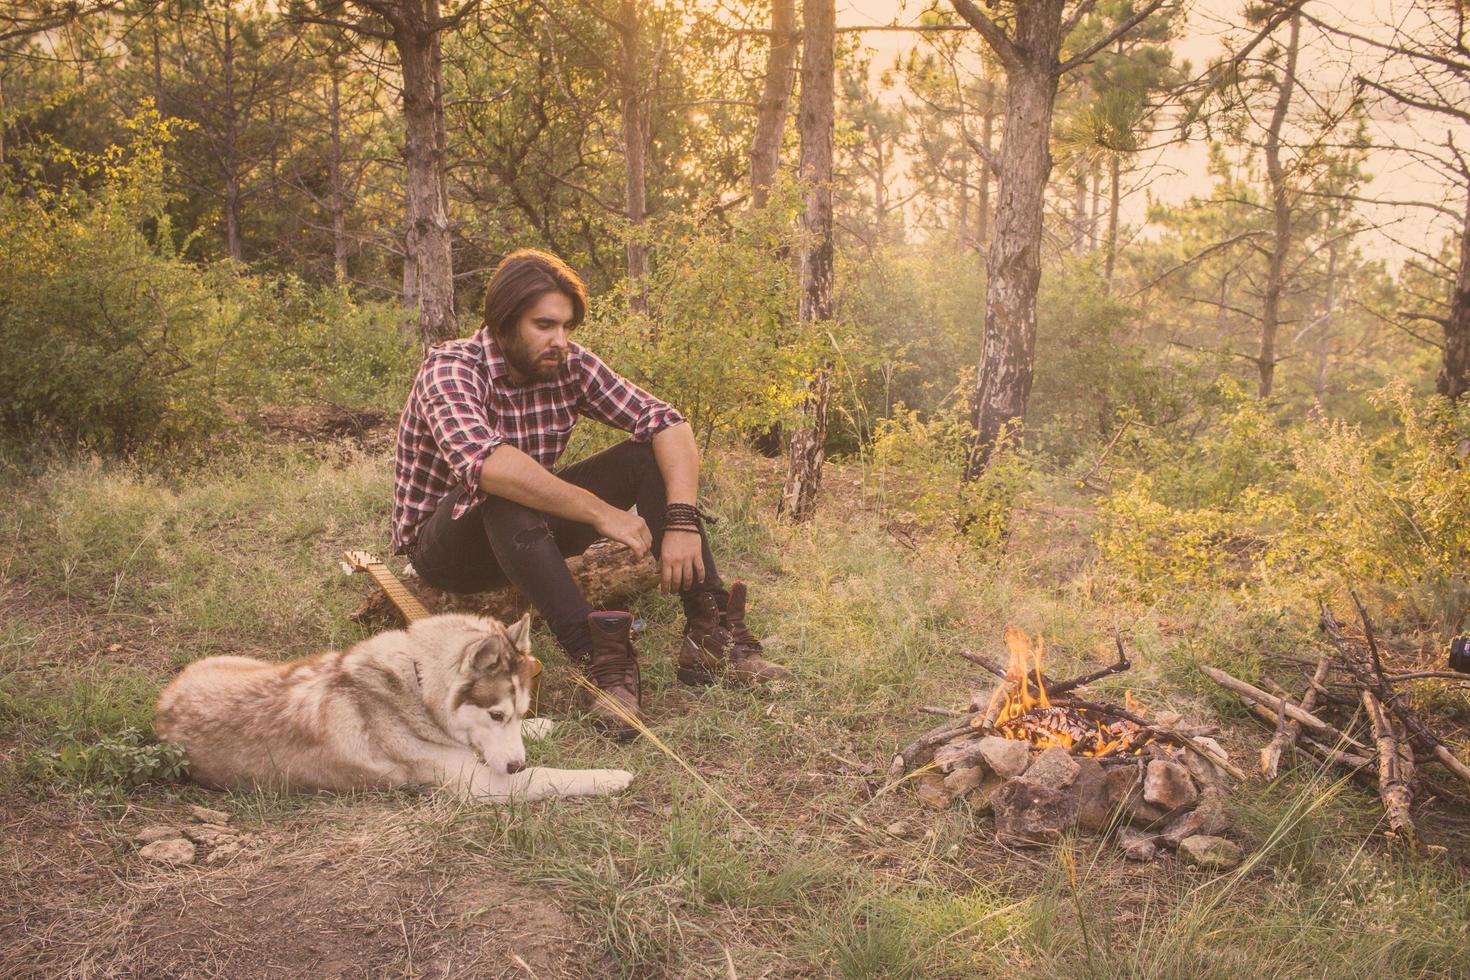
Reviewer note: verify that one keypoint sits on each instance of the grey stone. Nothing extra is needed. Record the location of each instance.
(961, 781)
(958, 754)
(208, 833)
(1006, 757)
(156, 831)
(172, 852)
(1125, 791)
(1210, 817)
(205, 815)
(1214, 853)
(931, 791)
(1029, 814)
(1137, 845)
(1168, 785)
(1203, 769)
(1094, 809)
(223, 853)
(899, 828)
(1055, 768)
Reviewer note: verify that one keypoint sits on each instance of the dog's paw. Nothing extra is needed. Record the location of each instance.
(608, 781)
(535, 728)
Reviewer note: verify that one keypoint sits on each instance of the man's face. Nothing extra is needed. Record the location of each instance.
(538, 347)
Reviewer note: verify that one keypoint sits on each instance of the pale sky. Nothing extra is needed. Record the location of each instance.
(1175, 174)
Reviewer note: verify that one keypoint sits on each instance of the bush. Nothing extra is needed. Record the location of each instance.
(1321, 502)
(109, 339)
(719, 340)
(927, 457)
(119, 762)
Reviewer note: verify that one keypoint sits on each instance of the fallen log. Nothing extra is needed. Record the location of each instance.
(908, 756)
(606, 572)
(1395, 768)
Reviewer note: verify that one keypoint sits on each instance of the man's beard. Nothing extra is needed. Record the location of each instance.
(519, 358)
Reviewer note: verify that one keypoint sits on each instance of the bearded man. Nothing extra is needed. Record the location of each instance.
(476, 503)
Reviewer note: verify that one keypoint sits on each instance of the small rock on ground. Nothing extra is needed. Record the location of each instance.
(205, 815)
(173, 852)
(156, 831)
(223, 852)
(1215, 853)
(209, 833)
(1136, 845)
(931, 791)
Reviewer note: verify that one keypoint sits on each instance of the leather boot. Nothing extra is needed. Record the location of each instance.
(614, 671)
(747, 655)
(712, 650)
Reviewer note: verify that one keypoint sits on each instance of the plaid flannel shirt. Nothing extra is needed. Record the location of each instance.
(463, 404)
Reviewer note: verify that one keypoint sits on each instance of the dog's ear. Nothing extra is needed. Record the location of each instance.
(482, 656)
(519, 633)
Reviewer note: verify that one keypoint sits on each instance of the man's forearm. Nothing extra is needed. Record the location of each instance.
(678, 460)
(511, 474)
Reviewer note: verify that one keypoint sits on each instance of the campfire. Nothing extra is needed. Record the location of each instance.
(1035, 719)
(1045, 760)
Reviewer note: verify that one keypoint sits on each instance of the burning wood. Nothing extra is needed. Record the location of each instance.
(1046, 760)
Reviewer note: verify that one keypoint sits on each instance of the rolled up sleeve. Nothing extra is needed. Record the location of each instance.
(452, 402)
(618, 402)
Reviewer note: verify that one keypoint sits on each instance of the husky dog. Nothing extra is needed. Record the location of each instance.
(439, 703)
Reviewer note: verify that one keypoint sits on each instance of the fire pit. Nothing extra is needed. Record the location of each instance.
(1045, 761)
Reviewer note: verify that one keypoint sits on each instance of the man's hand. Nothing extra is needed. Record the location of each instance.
(626, 528)
(681, 561)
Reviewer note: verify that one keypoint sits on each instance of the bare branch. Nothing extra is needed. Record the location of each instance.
(1005, 49)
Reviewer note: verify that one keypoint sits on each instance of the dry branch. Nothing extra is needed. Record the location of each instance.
(1252, 693)
(1292, 730)
(1395, 768)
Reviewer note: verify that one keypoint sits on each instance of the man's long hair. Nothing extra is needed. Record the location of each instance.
(522, 278)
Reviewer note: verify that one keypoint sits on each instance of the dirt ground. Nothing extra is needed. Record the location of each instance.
(361, 895)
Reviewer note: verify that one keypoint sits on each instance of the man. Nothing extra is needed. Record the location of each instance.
(476, 505)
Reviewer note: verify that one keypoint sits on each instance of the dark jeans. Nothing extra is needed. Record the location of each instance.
(500, 542)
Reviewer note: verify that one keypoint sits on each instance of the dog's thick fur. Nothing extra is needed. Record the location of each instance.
(439, 703)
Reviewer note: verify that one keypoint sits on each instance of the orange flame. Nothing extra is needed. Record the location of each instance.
(1034, 718)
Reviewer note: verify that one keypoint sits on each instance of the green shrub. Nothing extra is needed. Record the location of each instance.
(109, 339)
(719, 339)
(118, 762)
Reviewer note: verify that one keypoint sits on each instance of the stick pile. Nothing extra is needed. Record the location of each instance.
(1378, 737)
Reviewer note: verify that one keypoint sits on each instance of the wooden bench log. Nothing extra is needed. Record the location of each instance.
(606, 572)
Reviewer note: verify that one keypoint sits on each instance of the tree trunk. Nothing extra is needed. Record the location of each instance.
(1013, 264)
(1079, 211)
(815, 120)
(1454, 373)
(1114, 174)
(233, 244)
(635, 139)
(334, 182)
(1324, 329)
(962, 220)
(770, 119)
(429, 244)
(982, 201)
(1280, 214)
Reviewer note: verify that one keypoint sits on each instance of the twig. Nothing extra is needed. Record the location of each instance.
(907, 756)
(930, 709)
(1252, 693)
(1289, 731)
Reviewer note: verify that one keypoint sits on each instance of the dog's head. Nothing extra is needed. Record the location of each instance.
(484, 689)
